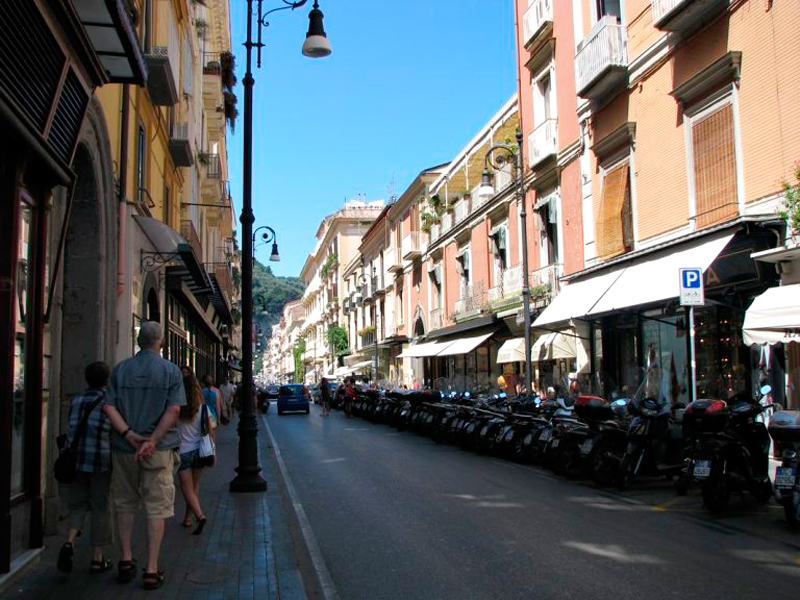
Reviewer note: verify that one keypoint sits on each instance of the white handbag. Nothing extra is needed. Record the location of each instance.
(206, 443)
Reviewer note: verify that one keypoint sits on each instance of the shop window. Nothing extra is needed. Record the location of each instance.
(722, 361)
(614, 230)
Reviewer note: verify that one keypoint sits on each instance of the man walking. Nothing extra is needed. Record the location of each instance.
(144, 397)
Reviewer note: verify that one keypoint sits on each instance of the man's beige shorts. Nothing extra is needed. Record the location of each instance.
(147, 483)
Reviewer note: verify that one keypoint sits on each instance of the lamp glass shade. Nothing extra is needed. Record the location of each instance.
(316, 44)
(275, 257)
(487, 189)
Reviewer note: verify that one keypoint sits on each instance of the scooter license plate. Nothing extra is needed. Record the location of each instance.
(702, 469)
(555, 442)
(545, 435)
(586, 447)
(784, 478)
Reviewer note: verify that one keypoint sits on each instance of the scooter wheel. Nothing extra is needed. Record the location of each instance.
(716, 491)
(791, 508)
(763, 490)
(625, 473)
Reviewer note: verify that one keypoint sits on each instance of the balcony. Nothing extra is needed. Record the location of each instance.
(537, 23)
(189, 233)
(412, 246)
(436, 319)
(543, 142)
(545, 282)
(377, 285)
(601, 64)
(685, 16)
(447, 222)
(213, 166)
(436, 231)
(472, 301)
(223, 275)
(509, 287)
(161, 77)
(462, 210)
(393, 262)
(180, 147)
(367, 339)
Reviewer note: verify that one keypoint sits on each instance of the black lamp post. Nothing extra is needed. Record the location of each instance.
(497, 157)
(316, 45)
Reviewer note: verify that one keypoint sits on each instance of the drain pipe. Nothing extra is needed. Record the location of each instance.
(123, 182)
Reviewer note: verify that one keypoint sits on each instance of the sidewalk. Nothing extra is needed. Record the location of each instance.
(245, 551)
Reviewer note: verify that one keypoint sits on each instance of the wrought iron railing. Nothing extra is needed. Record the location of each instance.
(189, 233)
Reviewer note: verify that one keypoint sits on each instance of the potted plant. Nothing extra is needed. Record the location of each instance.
(228, 62)
(791, 204)
(231, 112)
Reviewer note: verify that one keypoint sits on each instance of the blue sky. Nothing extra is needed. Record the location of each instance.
(407, 86)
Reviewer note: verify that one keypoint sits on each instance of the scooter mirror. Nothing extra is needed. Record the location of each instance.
(765, 389)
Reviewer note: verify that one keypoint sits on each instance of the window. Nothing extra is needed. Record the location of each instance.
(614, 229)
(609, 7)
(435, 275)
(499, 252)
(547, 210)
(167, 206)
(463, 266)
(544, 107)
(713, 154)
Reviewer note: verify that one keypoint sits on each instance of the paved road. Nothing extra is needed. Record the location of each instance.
(397, 516)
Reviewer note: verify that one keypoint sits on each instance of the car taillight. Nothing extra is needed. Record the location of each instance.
(305, 392)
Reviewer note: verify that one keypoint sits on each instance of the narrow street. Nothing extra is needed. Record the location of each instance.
(397, 516)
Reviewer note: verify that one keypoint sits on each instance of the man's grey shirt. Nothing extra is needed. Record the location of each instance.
(141, 388)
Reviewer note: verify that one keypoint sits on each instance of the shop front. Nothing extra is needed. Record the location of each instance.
(637, 336)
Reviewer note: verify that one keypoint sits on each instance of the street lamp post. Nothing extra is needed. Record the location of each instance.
(248, 478)
(362, 281)
(497, 157)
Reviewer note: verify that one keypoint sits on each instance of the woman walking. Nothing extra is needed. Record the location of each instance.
(90, 430)
(190, 430)
(213, 399)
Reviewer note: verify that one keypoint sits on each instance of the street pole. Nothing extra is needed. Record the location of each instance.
(526, 290)
(248, 478)
(497, 157)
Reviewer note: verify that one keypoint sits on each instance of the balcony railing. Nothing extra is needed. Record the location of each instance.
(376, 285)
(189, 233)
(392, 260)
(412, 246)
(473, 298)
(538, 19)
(213, 166)
(436, 319)
(224, 280)
(602, 59)
(545, 282)
(447, 222)
(684, 15)
(367, 339)
(543, 142)
(462, 210)
(436, 231)
(509, 286)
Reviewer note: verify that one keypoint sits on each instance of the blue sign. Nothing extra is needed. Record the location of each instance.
(692, 287)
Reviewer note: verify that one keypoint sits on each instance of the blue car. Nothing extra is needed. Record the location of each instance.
(294, 396)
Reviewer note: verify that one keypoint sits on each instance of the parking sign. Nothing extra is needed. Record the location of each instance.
(692, 287)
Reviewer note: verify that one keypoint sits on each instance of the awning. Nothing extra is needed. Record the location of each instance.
(512, 350)
(423, 350)
(113, 38)
(170, 246)
(644, 281)
(554, 346)
(774, 317)
(465, 344)
(164, 238)
(361, 365)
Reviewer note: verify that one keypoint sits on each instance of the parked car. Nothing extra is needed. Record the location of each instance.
(273, 390)
(294, 397)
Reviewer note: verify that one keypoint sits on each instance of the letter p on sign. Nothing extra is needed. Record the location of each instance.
(691, 281)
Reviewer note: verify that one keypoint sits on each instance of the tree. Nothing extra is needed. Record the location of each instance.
(297, 351)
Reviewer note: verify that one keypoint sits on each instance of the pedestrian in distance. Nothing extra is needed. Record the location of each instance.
(227, 389)
(213, 399)
(190, 431)
(349, 396)
(325, 396)
(143, 401)
(90, 490)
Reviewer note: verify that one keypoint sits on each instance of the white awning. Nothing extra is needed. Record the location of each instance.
(554, 346)
(163, 237)
(465, 344)
(342, 371)
(774, 317)
(648, 281)
(641, 282)
(361, 365)
(512, 350)
(423, 350)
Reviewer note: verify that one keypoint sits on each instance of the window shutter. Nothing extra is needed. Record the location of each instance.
(715, 167)
(188, 65)
(614, 212)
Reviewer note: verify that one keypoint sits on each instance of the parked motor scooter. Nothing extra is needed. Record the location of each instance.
(729, 451)
(784, 428)
(655, 444)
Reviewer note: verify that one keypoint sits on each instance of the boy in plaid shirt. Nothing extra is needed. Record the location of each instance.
(90, 490)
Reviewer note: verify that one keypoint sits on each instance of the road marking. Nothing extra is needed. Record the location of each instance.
(333, 460)
(664, 506)
(323, 574)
